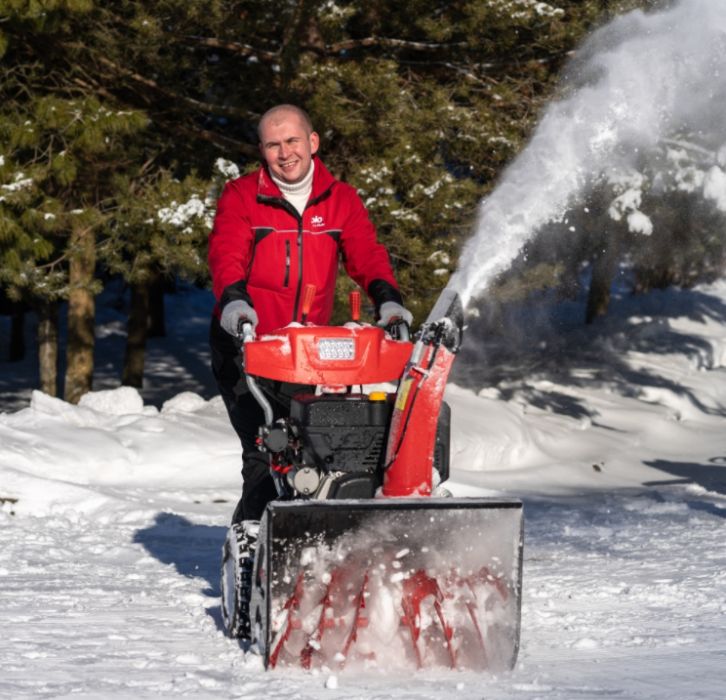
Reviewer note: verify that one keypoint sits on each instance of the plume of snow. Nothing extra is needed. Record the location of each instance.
(636, 81)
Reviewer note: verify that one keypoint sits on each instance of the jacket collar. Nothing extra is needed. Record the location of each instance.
(323, 180)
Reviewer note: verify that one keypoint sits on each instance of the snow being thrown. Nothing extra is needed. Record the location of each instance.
(632, 91)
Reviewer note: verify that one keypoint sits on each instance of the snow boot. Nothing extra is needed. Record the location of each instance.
(238, 557)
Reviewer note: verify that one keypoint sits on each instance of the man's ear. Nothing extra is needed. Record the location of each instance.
(314, 142)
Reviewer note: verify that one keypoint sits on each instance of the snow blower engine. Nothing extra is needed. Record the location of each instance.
(365, 559)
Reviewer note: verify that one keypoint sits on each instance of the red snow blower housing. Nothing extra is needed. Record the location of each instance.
(361, 561)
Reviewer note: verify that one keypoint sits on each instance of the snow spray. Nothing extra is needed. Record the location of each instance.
(642, 78)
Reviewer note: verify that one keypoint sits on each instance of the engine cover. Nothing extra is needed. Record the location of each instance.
(342, 432)
(347, 433)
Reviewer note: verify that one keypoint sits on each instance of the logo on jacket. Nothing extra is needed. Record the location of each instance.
(317, 220)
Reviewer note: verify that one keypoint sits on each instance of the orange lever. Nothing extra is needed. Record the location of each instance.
(308, 296)
(354, 299)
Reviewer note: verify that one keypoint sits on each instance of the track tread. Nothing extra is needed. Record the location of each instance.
(239, 547)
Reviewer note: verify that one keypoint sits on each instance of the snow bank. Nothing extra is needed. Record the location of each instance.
(111, 440)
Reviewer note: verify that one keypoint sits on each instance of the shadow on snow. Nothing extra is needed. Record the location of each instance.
(711, 477)
(194, 550)
(520, 349)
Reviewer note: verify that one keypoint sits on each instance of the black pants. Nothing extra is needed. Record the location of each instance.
(246, 416)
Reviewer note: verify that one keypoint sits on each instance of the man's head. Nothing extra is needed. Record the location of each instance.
(287, 142)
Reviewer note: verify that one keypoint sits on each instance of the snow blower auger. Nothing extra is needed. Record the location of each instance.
(360, 562)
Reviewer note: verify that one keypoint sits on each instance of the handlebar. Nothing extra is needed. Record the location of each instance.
(398, 329)
(245, 334)
(245, 331)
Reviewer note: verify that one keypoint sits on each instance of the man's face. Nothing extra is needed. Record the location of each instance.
(286, 146)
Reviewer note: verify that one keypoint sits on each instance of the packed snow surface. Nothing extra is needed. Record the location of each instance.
(114, 512)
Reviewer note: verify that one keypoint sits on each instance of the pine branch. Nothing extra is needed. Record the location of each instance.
(705, 156)
(153, 86)
(224, 143)
(206, 107)
(326, 50)
(91, 85)
(384, 42)
(50, 266)
(234, 47)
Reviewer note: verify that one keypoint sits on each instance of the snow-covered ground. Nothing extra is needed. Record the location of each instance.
(113, 513)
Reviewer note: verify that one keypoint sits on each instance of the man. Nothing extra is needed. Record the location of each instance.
(277, 230)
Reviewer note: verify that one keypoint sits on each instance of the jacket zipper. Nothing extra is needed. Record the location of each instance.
(299, 267)
(288, 207)
(287, 264)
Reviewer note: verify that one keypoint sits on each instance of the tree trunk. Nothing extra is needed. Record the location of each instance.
(301, 29)
(133, 373)
(604, 268)
(17, 335)
(156, 321)
(48, 347)
(81, 315)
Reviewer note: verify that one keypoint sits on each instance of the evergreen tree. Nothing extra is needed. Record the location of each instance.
(159, 230)
(73, 152)
(61, 145)
(113, 113)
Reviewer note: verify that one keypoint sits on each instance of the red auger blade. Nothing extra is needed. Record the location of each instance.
(416, 589)
(404, 583)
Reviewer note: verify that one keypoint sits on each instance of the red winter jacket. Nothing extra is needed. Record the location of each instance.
(261, 250)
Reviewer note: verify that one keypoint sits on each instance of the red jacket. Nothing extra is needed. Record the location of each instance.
(263, 251)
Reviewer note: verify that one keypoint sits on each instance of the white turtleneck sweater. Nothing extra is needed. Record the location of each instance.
(297, 193)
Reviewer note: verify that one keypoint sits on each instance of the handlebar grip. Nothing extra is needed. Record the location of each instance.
(398, 329)
(248, 331)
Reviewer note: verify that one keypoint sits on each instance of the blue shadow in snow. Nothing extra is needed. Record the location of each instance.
(194, 550)
(711, 476)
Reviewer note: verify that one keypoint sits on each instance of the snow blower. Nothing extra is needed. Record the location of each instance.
(364, 559)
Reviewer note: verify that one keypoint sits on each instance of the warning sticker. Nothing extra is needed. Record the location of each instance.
(402, 395)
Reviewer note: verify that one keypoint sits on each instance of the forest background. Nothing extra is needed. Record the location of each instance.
(121, 120)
